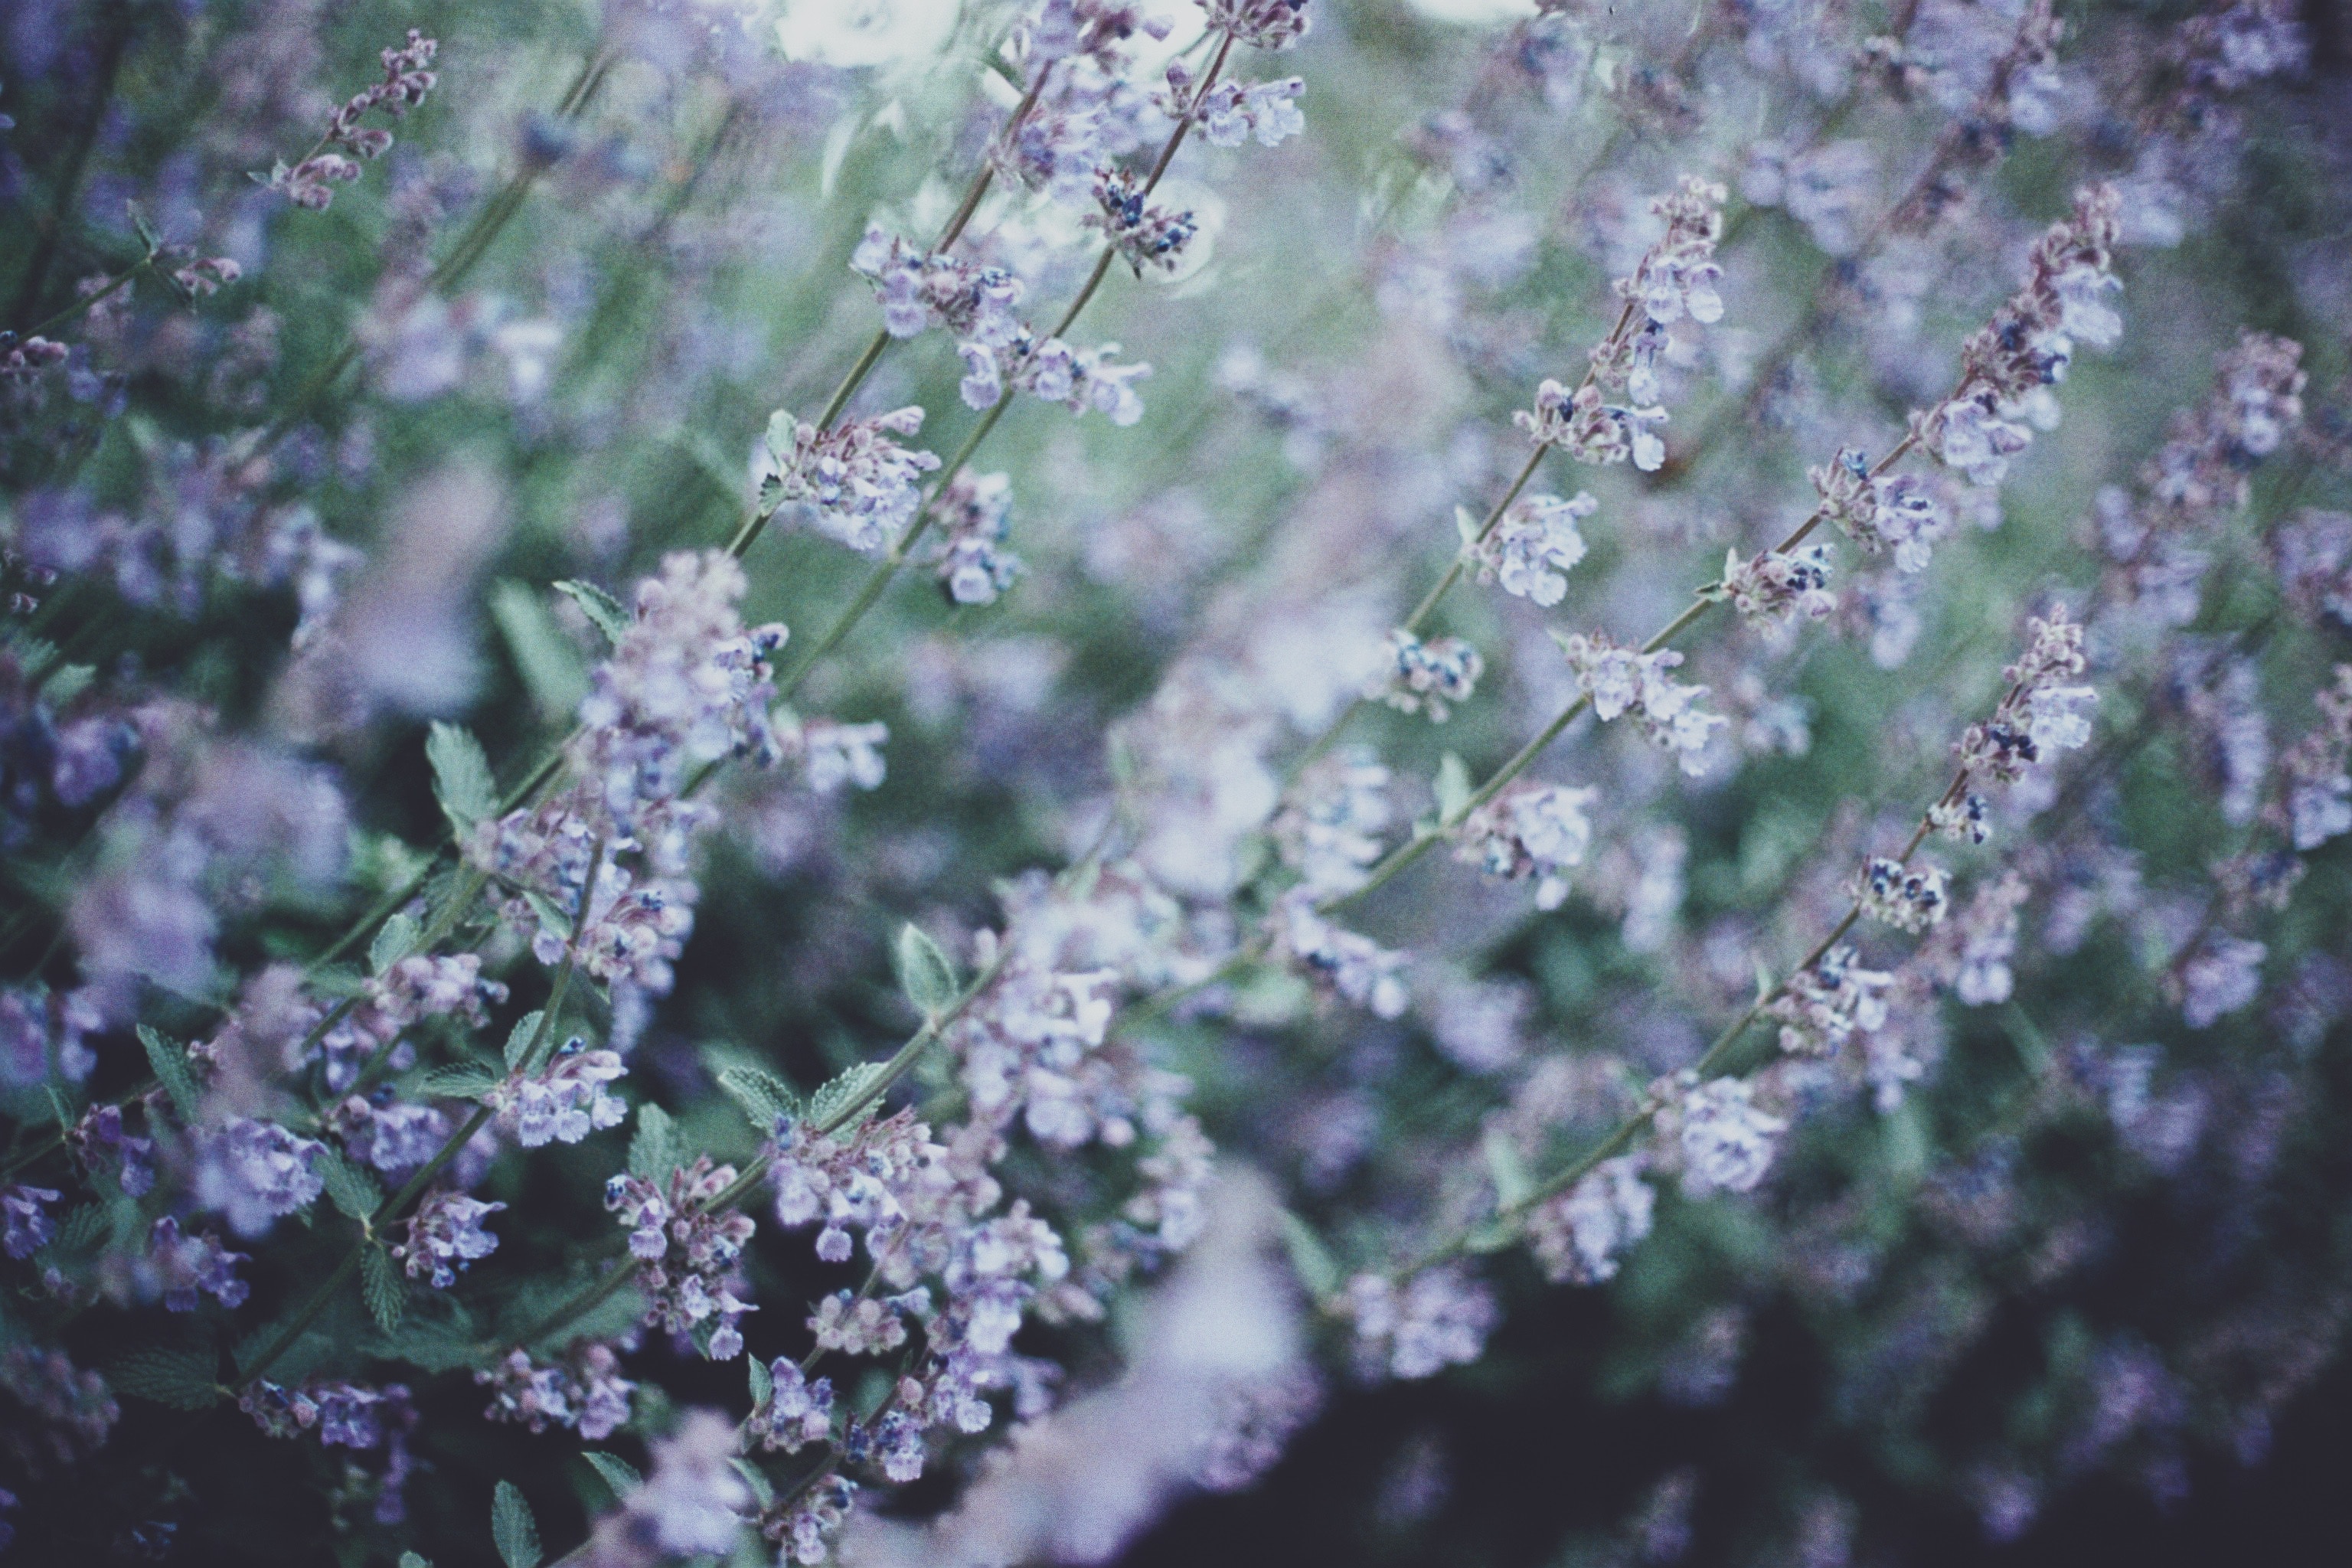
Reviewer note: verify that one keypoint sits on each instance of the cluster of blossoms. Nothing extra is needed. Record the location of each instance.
(979, 304)
(1261, 24)
(411, 989)
(445, 1235)
(1675, 281)
(851, 1178)
(2315, 791)
(1145, 233)
(582, 1392)
(1428, 676)
(2039, 716)
(1622, 680)
(2009, 367)
(1578, 1236)
(562, 1101)
(309, 183)
(1354, 965)
(388, 1135)
(1822, 1006)
(24, 1216)
(692, 1505)
(23, 359)
(1908, 898)
(1533, 546)
(686, 685)
(1775, 584)
(1231, 113)
(102, 1146)
(852, 482)
(1033, 1047)
(793, 1413)
(256, 1172)
(972, 512)
(1715, 1134)
(1330, 830)
(690, 1255)
(1437, 1319)
(830, 753)
(1898, 513)
(1531, 830)
(187, 1267)
(1576, 420)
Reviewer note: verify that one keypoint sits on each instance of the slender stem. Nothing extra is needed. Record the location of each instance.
(389, 1211)
(1414, 848)
(888, 567)
(756, 522)
(52, 228)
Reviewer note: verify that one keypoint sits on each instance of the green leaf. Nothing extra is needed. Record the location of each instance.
(617, 1473)
(834, 1096)
(924, 973)
(763, 1382)
(1313, 1262)
(764, 1096)
(552, 916)
(764, 1494)
(82, 1231)
(611, 616)
(411, 1559)
(379, 1282)
(1509, 1173)
(67, 682)
(512, 1529)
(1452, 789)
(653, 1152)
(544, 655)
(394, 940)
(1465, 524)
(182, 1376)
(520, 1038)
(461, 776)
(460, 1080)
(172, 1071)
(351, 1189)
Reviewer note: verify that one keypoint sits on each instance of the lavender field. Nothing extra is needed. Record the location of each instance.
(1502, 784)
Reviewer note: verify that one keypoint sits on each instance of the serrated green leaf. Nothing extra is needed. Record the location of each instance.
(611, 616)
(763, 1382)
(82, 1231)
(1507, 1169)
(350, 1188)
(520, 1038)
(172, 1071)
(652, 1150)
(762, 1096)
(925, 972)
(761, 1490)
(394, 940)
(460, 1080)
(461, 776)
(179, 1376)
(433, 1343)
(379, 1283)
(512, 1529)
(544, 655)
(829, 1104)
(551, 915)
(1452, 789)
(1313, 1262)
(67, 682)
(617, 1472)
(783, 434)
(1465, 524)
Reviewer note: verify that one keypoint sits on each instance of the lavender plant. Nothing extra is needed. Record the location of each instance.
(1659, 707)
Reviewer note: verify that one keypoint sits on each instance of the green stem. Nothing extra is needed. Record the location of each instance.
(888, 567)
